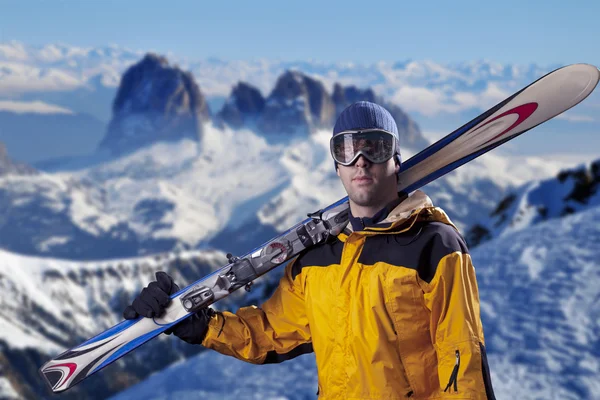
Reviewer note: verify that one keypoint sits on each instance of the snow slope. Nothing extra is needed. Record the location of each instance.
(149, 201)
(49, 305)
(571, 190)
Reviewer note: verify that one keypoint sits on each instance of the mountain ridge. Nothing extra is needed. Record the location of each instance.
(571, 190)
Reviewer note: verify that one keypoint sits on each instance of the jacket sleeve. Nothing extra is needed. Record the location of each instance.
(456, 331)
(275, 332)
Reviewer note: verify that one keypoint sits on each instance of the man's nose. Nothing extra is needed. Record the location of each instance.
(362, 162)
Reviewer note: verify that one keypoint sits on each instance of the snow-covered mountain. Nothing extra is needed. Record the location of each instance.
(570, 191)
(146, 202)
(155, 102)
(540, 310)
(232, 183)
(159, 102)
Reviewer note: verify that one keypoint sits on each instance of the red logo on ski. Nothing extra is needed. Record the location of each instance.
(524, 111)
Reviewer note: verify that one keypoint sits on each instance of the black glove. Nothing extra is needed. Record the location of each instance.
(153, 300)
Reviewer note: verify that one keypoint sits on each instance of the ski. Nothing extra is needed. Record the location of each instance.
(540, 101)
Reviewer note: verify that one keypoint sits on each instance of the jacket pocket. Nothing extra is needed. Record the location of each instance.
(453, 380)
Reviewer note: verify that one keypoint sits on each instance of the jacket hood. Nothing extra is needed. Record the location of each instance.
(415, 201)
(416, 206)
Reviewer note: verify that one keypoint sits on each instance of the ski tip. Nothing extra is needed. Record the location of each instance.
(56, 375)
(50, 378)
(591, 70)
(580, 72)
(582, 76)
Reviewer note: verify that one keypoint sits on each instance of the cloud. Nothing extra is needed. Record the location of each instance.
(430, 102)
(493, 95)
(51, 53)
(13, 51)
(37, 107)
(21, 78)
(426, 101)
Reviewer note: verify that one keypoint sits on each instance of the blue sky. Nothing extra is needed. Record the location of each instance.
(542, 32)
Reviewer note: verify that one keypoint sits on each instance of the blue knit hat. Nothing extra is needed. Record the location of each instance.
(367, 115)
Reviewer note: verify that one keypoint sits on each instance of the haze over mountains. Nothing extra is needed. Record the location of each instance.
(438, 97)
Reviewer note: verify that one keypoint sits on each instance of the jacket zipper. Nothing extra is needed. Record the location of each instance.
(454, 376)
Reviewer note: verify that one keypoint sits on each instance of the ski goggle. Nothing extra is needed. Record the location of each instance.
(377, 146)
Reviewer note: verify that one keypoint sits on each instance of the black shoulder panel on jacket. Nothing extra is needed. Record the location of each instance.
(443, 240)
(421, 248)
(274, 358)
(322, 255)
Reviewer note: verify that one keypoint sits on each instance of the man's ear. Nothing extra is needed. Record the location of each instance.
(337, 171)
(396, 165)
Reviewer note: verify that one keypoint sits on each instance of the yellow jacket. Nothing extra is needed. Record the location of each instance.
(390, 311)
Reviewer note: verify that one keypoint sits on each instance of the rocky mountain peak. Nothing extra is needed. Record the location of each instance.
(10, 167)
(297, 103)
(585, 181)
(244, 104)
(289, 86)
(301, 104)
(155, 101)
(344, 96)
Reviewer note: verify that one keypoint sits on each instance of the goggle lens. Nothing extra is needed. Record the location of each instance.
(376, 146)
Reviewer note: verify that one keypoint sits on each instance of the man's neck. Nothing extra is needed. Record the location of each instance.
(364, 211)
(369, 211)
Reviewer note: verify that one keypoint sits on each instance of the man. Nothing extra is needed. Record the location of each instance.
(390, 307)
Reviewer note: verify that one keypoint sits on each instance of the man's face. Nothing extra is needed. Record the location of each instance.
(369, 184)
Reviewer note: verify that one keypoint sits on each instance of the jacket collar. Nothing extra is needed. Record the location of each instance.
(360, 223)
(395, 213)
